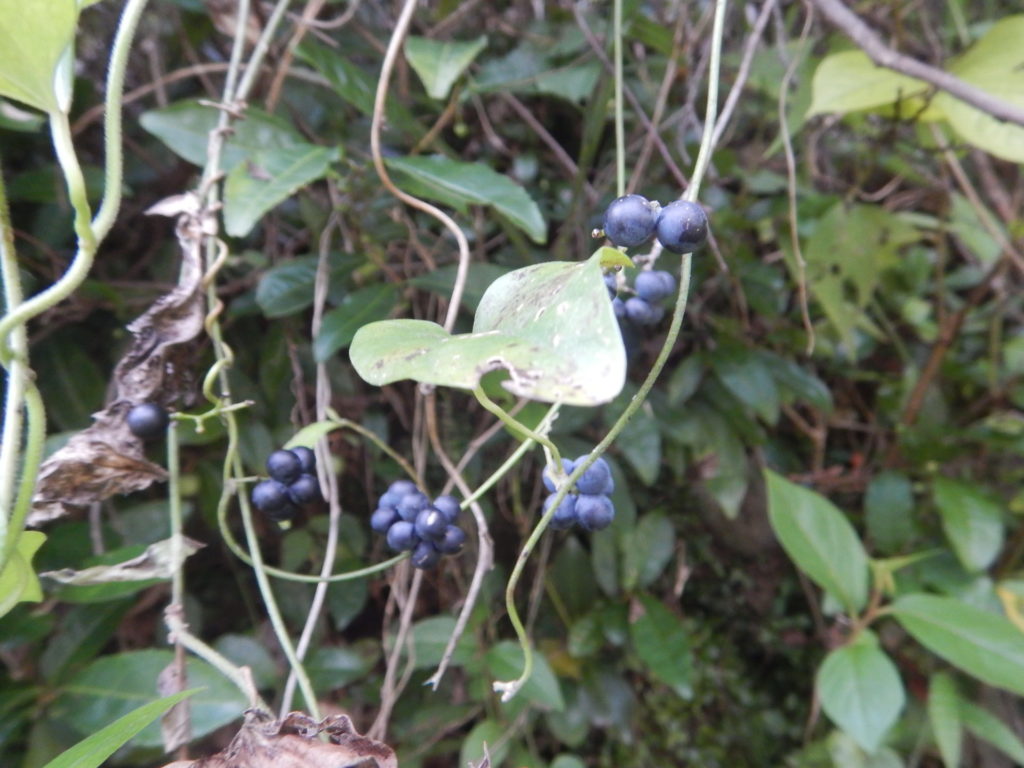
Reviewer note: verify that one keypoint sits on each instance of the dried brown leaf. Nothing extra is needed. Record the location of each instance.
(176, 724)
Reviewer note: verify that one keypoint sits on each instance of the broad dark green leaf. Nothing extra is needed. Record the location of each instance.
(505, 662)
(440, 62)
(430, 638)
(640, 444)
(987, 727)
(113, 686)
(973, 523)
(889, 510)
(91, 751)
(287, 288)
(647, 550)
(819, 539)
(944, 717)
(36, 39)
(861, 691)
(332, 667)
(980, 643)
(446, 180)
(660, 640)
(748, 378)
(74, 384)
(266, 178)
(356, 310)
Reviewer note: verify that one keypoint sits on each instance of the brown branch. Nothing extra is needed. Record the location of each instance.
(866, 38)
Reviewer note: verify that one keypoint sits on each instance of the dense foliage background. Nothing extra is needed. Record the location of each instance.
(683, 635)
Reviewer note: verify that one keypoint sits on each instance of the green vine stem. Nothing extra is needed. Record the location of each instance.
(512, 423)
(509, 688)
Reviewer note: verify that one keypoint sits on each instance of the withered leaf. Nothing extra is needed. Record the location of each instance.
(157, 562)
(263, 742)
(175, 725)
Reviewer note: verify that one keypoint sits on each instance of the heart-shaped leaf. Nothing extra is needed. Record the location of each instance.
(34, 38)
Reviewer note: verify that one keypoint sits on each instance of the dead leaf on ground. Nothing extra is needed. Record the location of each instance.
(263, 742)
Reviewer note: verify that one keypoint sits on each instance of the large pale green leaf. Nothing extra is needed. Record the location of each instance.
(646, 550)
(994, 64)
(455, 182)
(660, 640)
(973, 523)
(185, 126)
(987, 727)
(18, 580)
(819, 539)
(340, 325)
(36, 37)
(91, 751)
(861, 690)
(113, 686)
(981, 643)
(550, 326)
(944, 717)
(439, 63)
(505, 662)
(850, 82)
(266, 178)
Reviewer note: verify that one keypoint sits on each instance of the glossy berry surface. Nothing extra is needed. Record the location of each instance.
(612, 284)
(307, 459)
(641, 312)
(594, 512)
(655, 285)
(397, 491)
(305, 490)
(549, 482)
(402, 536)
(147, 421)
(682, 226)
(271, 498)
(452, 542)
(425, 555)
(382, 519)
(284, 466)
(430, 524)
(565, 515)
(629, 221)
(412, 504)
(596, 479)
(447, 506)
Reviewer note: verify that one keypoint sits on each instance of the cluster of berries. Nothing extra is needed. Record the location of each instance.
(292, 483)
(412, 523)
(588, 506)
(147, 421)
(644, 308)
(681, 226)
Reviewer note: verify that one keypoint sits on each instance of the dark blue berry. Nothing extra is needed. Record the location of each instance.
(402, 536)
(629, 221)
(397, 491)
(412, 504)
(147, 421)
(305, 490)
(654, 286)
(594, 512)
(641, 312)
(619, 308)
(682, 226)
(612, 284)
(430, 524)
(565, 515)
(284, 466)
(271, 498)
(425, 556)
(549, 482)
(306, 457)
(382, 519)
(448, 506)
(596, 479)
(452, 541)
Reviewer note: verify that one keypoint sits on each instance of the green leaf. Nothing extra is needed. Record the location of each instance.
(113, 686)
(944, 717)
(889, 509)
(478, 278)
(310, 434)
(640, 444)
(439, 63)
(747, 377)
(91, 751)
(973, 523)
(646, 550)
(980, 643)
(987, 727)
(185, 127)
(505, 662)
(550, 325)
(340, 325)
(18, 580)
(36, 38)
(820, 540)
(660, 640)
(994, 64)
(287, 288)
(861, 690)
(430, 638)
(489, 733)
(458, 183)
(850, 82)
(267, 177)
(332, 667)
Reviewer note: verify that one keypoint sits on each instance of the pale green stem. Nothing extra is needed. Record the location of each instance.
(252, 69)
(512, 423)
(620, 131)
(32, 456)
(508, 689)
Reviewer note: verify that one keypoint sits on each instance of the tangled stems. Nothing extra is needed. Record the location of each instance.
(509, 688)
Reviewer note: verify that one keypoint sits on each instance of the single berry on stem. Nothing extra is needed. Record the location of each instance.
(271, 498)
(596, 479)
(448, 506)
(431, 524)
(549, 481)
(402, 536)
(682, 226)
(452, 541)
(654, 286)
(306, 457)
(565, 515)
(629, 221)
(425, 555)
(284, 466)
(305, 490)
(382, 519)
(412, 504)
(594, 512)
(147, 421)
(641, 312)
(397, 491)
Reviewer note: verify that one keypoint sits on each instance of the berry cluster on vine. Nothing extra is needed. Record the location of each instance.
(411, 522)
(586, 504)
(292, 483)
(681, 226)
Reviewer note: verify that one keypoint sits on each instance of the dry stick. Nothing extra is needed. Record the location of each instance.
(787, 145)
(338, 22)
(846, 20)
(383, 83)
(663, 150)
(309, 13)
(389, 691)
